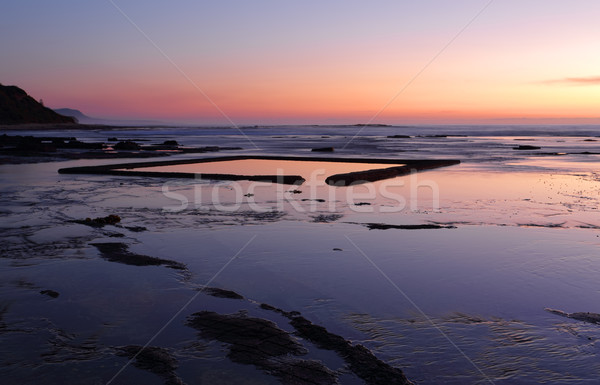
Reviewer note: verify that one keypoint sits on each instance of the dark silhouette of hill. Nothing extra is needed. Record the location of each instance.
(17, 107)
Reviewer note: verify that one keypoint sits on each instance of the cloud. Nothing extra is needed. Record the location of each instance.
(585, 81)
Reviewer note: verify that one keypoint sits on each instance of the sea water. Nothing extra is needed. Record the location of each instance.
(459, 303)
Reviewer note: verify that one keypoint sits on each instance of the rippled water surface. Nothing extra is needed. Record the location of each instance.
(452, 291)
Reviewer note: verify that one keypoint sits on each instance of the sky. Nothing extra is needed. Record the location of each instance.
(280, 62)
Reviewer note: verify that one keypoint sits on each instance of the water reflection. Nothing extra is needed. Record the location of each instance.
(312, 171)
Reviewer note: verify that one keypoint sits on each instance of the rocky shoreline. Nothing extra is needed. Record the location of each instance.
(16, 149)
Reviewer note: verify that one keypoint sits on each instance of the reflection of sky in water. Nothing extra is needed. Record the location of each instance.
(505, 276)
(452, 195)
(485, 283)
(309, 170)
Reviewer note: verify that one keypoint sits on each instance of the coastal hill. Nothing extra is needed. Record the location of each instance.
(17, 107)
(78, 115)
(85, 119)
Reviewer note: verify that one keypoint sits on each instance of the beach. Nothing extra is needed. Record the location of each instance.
(446, 275)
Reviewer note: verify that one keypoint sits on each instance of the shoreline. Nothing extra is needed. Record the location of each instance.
(509, 239)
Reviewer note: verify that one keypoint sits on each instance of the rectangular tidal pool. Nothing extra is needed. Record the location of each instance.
(304, 168)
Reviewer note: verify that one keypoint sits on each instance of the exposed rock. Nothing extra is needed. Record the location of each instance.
(136, 229)
(593, 318)
(323, 149)
(127, 145)
(326, 218)
(252, 339)
(384, 226)
(153, 359)
(259, 342)
(221, 293)
(399, 136)
(128, 169)
(118, 252)
(360, 359)
(526, 147)
(357, 177)
(50, 293)
(100, 221)
(304, 372)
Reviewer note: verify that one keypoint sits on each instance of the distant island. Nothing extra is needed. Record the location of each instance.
(371, 125)
(17, 107)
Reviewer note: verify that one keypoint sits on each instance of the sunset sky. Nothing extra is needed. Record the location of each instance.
(266, 62)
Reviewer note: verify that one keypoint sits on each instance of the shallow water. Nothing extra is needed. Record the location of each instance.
(270, 167)
(455, 305)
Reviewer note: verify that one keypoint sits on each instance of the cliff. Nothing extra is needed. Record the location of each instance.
(17, 107)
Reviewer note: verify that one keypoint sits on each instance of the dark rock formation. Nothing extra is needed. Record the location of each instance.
(593, 318)
(16, 107)
(136, 229)
(323, 149)
(50, 293)
(384, 226)
(251, 339)
(259, 342)
(221, 293)
(127, 145)
(100, 221)
(359, 359)
(526, 147)
(128, 169)
(119, 252)
(153, 359)
(40, 147)
(326, 218)
(352, 178)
